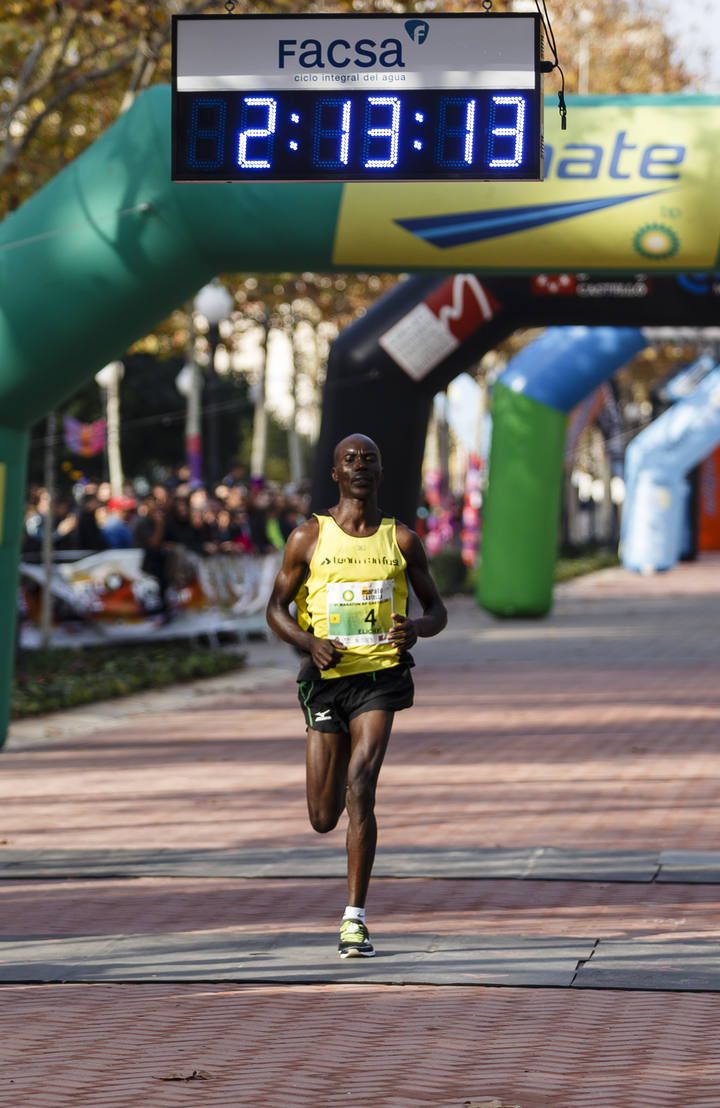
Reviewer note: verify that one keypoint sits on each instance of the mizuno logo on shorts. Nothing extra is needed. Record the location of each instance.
(324, 716)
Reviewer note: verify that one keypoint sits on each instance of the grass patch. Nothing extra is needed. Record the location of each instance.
(50, 680)
(567, 568)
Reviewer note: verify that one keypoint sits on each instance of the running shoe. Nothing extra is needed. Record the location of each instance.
(355, 940)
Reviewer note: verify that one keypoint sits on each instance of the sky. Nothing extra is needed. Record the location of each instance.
(696, 26)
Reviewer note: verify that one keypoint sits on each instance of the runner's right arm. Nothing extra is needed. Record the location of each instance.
(325, 653)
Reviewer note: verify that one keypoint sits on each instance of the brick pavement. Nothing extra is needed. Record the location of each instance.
(111, 1046)
(595, 729)
(522, 759)
(52, 909)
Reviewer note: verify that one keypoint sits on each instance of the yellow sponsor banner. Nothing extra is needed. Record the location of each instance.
(3, 473)
(632, 184)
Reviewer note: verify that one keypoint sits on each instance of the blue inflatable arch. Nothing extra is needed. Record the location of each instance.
(657, 463)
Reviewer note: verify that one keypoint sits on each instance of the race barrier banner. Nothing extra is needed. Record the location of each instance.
(108, 597)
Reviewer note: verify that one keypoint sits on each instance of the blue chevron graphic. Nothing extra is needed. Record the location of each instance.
(463, 227)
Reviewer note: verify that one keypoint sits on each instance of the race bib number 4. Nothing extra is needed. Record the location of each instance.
(360, 613)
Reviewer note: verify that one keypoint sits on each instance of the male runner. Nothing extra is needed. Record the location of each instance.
(347, 571)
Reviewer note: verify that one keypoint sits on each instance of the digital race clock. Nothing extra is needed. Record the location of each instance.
(362, 98)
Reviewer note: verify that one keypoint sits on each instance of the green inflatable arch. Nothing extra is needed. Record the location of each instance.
(99, 256)
(111, 246)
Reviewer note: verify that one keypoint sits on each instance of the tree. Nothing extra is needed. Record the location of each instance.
(619, 46)
(69, 68)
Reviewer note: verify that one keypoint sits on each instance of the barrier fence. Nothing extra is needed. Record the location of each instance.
(109, 597)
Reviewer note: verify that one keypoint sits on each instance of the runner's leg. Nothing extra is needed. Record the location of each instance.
(369, 735)
(326, 763)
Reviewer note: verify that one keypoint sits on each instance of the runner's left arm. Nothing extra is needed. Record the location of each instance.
(405, 631)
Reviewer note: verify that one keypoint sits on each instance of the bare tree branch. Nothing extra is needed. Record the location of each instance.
(69, 32)
(149, 51)
(55, 101)
(30, 63)
(99, 49)
(8, 110)
(59, 75)
(143, 68)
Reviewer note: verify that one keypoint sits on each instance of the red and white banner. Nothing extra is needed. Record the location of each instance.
(436, 327)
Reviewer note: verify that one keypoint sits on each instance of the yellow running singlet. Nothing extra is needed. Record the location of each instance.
(353, 587)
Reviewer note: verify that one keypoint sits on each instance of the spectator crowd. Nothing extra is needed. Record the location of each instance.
(237, 517)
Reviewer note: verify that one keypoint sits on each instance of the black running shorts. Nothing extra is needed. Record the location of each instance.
(329, 705)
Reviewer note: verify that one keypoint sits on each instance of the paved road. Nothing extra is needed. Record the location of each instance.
(545, 906)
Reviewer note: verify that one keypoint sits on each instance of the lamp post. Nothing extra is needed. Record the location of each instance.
(586, 21)
(215, 303)
(109, 378)
(258, 450)
(189, 384)
(294, 452)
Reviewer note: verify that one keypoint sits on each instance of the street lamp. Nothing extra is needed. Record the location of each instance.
(189, 384)
(109, 378)
(215, 303)
(585, 20)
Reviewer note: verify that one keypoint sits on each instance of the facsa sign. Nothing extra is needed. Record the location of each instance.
(357, 98)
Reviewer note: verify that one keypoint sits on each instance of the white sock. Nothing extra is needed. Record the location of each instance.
(354, 913)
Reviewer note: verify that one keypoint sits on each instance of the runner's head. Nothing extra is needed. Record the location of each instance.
(358, 467)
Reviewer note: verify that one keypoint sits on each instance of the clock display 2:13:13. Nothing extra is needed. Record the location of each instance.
(349, 135)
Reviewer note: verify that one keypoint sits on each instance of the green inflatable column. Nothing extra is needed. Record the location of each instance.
(522, 507)
(13, 458)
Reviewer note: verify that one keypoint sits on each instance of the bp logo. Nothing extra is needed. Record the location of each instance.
(348, 594)
(656, 240)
